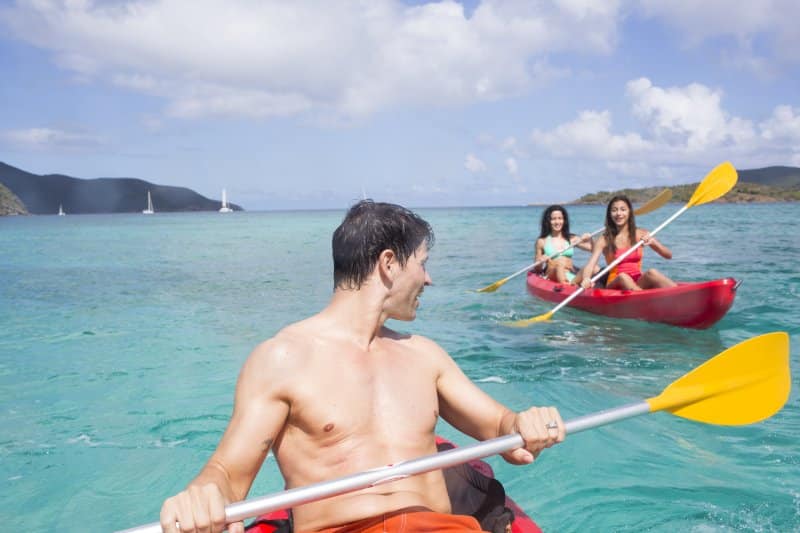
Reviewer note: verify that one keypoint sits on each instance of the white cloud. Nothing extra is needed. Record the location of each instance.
(589, 137)
(512, 166)
(474, 165)
(783, 125)
(346, 58)
(221, 101)
(685, 126)
(509, 144)
(41, 138)
(690, 115)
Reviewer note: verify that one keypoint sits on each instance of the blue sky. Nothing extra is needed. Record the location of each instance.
(311, 104)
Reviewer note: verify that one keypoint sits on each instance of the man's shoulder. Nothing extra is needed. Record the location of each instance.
(288, 345)
(416, 342)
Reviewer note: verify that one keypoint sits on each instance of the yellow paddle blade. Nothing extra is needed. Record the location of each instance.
(497, 284)
(742, 385)
(528, 321)
(718, 182)
(654, 203)
(494, 286)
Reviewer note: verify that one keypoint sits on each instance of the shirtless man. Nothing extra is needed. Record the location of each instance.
(339, 393)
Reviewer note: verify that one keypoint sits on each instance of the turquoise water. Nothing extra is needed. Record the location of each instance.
(121, 338)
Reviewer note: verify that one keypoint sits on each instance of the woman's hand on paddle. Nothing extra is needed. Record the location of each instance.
(199, 508)
(540, 428)
(587, 283)
(655, 244)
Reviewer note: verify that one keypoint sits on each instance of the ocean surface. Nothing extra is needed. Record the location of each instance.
(121, 337)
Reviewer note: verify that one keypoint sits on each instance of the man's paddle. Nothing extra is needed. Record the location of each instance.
(718, 182)
(651, 205)
(742, 385)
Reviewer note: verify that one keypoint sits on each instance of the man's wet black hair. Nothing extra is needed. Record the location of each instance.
(368, 229)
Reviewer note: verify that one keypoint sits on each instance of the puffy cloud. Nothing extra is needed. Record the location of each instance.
(691, 115)
(512, 166)
(346, 58)
(474, 165)
(589, 136)
(684, 126)
(783, 125)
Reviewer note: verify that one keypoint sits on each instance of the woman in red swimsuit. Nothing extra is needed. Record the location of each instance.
(621, 233)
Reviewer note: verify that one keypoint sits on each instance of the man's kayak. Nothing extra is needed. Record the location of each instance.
(689, 305)
(473, 491)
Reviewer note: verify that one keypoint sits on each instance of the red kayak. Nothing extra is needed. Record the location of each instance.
(689, 305)
(473, 491)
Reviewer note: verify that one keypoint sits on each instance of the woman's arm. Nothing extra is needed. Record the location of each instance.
(653, 243)
(588, 269)
(584, 242)
(540, 256)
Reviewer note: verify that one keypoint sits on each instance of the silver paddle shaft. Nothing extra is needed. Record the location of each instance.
(386, 474)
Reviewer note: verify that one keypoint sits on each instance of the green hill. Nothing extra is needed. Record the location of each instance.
(9, 203)
(770, 184)
(781, 177)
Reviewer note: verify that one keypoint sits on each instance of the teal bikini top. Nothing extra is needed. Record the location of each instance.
(550, 248)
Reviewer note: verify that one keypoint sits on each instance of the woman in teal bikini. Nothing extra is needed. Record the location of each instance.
(554, 246)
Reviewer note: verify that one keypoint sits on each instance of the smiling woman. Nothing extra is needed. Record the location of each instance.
(554, 247)
(619, 237)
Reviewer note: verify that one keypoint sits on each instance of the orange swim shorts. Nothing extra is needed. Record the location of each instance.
(409, 521)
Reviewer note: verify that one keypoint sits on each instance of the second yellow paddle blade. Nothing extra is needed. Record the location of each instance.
(742, 385)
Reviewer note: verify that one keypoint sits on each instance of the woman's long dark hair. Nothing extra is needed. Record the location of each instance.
(611, 228)
(547, 229)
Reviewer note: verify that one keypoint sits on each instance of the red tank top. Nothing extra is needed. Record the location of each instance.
(631, 265)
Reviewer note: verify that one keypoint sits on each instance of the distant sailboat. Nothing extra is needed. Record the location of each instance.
(149, 210)
(225, 208)
(61, 212)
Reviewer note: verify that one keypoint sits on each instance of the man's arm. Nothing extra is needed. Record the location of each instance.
(470, 410)
(259, 413)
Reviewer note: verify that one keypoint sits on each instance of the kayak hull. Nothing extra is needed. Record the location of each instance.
(693, 305)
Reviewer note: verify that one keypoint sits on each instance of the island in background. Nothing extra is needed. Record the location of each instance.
(42, 195)
(9, 203)
(760, 185)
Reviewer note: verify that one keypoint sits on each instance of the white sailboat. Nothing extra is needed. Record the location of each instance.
(149, 210)
(61, 212)
(225, 208)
